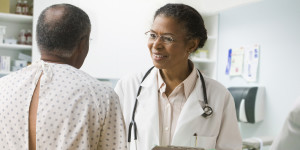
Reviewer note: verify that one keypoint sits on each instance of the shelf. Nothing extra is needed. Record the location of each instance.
(4, 73)
(202, 60)
(211, 37)
(6, 17)
(16, 47)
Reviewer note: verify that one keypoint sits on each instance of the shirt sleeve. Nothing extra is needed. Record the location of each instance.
(229, 137)
(112, 135)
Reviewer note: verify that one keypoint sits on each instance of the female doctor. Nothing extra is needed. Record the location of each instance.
(175, 105)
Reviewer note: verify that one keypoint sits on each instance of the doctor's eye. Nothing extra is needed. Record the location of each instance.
(151, 35)
(167, 39)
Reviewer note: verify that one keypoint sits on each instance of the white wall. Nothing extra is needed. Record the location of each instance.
(274, 24)
(117, 35)
(118, 45)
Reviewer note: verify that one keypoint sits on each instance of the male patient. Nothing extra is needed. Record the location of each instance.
(53, 105)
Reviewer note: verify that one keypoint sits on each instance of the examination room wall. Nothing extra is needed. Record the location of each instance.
(274, 25)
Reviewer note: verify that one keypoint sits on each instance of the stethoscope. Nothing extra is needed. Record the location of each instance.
(207, 109)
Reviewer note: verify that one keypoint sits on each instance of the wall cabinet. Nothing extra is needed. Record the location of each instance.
(14, 23)
(208, 65)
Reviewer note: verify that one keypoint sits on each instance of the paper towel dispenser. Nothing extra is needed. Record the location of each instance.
(249, 103)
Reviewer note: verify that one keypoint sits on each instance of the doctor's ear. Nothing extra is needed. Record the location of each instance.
(193, 44)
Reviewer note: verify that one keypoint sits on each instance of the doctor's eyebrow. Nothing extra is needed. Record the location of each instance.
(163, 33)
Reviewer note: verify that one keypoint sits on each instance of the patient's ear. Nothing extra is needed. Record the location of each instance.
(83, 44)
(81, 51)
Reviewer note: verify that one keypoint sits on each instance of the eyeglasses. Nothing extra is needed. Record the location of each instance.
(167, 39)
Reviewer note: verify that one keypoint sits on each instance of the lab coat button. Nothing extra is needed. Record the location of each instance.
(166, 128)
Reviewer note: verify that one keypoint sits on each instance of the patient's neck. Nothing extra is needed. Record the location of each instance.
(54, 59)
(75, 60)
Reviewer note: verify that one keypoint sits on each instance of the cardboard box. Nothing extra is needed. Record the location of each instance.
(4, 63)
(24, 57)
(20, 63)
(4, 6)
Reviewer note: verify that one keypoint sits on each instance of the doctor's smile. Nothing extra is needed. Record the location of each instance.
(172, 91)
(159, 57)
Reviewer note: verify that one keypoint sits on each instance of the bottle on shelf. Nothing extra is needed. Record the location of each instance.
(25, 8)
(31, 10)
(28, 36)
(19, 6)
(22, 37)
(2, 33)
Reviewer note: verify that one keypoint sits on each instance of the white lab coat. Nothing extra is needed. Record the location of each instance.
(219, 132)
(289, 138)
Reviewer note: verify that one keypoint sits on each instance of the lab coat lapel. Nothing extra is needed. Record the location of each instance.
(148, 110)
(191, 110)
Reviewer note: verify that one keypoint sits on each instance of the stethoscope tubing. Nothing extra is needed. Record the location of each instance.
(207, 109)
(133, 123)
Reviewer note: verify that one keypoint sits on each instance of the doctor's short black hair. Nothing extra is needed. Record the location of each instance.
(59, 35)
(189, 17)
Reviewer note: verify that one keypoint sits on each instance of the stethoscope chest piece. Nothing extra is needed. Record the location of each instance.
(207, 111)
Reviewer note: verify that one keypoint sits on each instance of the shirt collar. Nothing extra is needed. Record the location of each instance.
(160, 83)
(188, 84)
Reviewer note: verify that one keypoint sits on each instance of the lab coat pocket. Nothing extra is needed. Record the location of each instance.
(203, 142)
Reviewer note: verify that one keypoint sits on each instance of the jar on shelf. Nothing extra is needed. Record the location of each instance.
(22, 37)
(201, 53)
(2, 33)
(19, 6)
(25, 8)
(28, 36)
(30, 10)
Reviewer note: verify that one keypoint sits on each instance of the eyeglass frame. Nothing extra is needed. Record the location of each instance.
(163, 37)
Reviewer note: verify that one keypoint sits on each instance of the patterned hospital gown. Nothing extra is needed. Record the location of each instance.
(75, 111)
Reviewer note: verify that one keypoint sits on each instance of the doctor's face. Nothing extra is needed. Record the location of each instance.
(168, 43)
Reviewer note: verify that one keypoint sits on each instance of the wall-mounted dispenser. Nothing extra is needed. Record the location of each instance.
(249, 103)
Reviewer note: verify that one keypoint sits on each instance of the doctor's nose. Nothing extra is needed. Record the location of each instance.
(157, 43)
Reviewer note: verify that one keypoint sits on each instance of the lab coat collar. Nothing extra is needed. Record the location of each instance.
(191, 110)
(151, 79)
(148, 101)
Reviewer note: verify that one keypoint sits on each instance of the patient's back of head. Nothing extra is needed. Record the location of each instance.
(60, 28)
